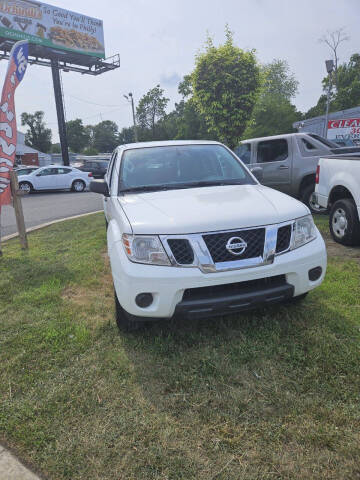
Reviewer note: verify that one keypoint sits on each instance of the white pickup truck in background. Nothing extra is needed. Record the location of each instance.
(338, 189)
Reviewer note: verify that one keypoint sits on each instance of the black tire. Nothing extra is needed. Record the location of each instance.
(125, 321)
(344, 222)
(298, 299)
(306, 195)
(26, 187)
(78, 186)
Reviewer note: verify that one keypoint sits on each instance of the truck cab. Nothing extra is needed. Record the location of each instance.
(288, 162)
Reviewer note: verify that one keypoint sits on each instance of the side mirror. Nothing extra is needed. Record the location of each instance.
(99, 186)
(38, 175)
(258, 173)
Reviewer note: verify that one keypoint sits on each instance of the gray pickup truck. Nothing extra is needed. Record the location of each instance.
(288, 162)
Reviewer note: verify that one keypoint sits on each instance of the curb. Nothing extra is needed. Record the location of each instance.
(48, 224)
(12, 469)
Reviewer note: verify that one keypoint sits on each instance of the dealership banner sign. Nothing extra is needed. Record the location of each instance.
(347, 129)
(52, 27)
(18, 62)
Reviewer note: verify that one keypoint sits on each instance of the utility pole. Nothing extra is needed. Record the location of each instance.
(60, 111)
(330, 68)
(130, 98)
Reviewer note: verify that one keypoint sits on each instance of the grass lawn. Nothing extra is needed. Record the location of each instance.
(267, 395)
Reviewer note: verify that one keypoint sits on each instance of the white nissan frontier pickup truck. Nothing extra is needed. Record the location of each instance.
(192, 232)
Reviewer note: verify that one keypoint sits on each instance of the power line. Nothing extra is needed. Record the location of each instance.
(92, 103)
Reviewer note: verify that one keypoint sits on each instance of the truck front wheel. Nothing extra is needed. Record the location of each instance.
(344, 222)
(124, 320)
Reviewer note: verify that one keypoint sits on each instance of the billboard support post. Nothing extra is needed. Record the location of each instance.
(60, 111)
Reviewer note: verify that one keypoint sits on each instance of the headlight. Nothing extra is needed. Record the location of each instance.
(145, 249)
(304, 231)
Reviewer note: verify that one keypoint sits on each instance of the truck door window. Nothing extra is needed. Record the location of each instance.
(308, 145)
(243, 151)
(272, 151)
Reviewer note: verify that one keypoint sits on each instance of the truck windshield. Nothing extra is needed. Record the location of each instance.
(180, 166)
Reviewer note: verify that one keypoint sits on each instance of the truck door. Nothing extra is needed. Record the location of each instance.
(273, 156)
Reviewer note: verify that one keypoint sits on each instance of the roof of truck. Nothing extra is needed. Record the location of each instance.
(273, 137)
(166, 143)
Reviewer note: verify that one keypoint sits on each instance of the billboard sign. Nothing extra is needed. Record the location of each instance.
(52, 27)
(345, 130)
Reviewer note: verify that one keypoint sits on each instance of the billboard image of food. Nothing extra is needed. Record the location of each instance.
(50, 26)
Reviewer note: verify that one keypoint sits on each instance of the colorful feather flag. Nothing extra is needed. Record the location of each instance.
(18, 62)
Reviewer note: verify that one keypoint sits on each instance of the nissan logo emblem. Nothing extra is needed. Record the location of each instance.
(236, 246)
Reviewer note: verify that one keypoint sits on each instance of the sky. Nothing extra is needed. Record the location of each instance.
(157, 41)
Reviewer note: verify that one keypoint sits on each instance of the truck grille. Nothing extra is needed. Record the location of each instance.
(182, 251)
(217, 244)
(283, 239)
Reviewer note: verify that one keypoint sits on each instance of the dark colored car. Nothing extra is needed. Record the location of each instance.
(97, 167)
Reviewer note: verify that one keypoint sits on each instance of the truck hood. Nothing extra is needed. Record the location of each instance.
(208, 209)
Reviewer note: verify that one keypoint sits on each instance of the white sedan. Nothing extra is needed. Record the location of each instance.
(55, 178)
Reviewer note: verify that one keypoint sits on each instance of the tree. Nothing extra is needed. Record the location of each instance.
(333, 38)
(225, 83)
(274, 113)
(78, 136)
(348, 91)
(56, 148)
(126, 135)
(278, 80)
(90, 151)
(151, 110)
(272, 117)
(105, 136)
(37, 136)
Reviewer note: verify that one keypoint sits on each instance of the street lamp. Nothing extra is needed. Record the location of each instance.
(329, 68)
(130, 99)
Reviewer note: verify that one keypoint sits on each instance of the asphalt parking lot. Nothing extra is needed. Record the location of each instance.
(41, 208)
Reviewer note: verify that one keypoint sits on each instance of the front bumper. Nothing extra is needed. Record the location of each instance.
(200, 303)
(168, 284)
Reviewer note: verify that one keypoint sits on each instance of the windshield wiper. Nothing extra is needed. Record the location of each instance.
(179, 186)
(210, 183)
(144, 188)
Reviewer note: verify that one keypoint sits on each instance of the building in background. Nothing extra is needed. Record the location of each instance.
(29, 156)
(343, 126)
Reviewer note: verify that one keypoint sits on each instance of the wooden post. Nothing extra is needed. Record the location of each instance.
(17, 194)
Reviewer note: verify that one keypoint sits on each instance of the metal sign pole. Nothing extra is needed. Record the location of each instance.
(60, 111)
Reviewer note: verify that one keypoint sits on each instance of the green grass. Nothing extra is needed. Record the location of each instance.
(269, 395)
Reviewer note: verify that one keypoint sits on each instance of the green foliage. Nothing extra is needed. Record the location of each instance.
(190, 124)
(268, 394)
(274, 113)
(37, 136)
(348, 78)
(78, 136)
(126, 136)
(278, 80)
(105, 136)
(90, 151)
(56, 148)
(272, 117)
(151, 109)
(225, 83)
(348, 91)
